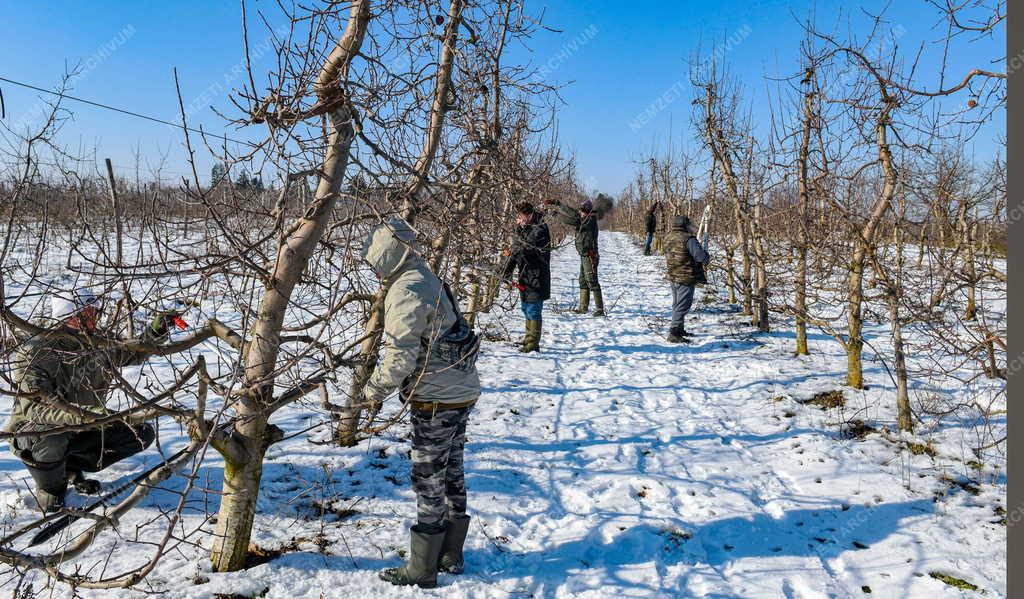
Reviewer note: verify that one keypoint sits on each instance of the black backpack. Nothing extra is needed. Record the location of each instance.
(459, 345)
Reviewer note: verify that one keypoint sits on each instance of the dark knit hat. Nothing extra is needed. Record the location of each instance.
(681, 223)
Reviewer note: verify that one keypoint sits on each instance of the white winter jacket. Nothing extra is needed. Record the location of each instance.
(416, 312)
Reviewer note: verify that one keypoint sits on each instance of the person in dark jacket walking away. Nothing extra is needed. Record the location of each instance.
(63, 377)
(530, 254)
(651, 225)
(583, 221)
(429, 357)
(684, 260)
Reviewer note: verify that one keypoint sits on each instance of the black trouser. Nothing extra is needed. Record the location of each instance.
(50, 458)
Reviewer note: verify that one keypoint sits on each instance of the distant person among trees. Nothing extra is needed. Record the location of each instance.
(530, 254)
(684, 260)
(583, 221)
(651, 225)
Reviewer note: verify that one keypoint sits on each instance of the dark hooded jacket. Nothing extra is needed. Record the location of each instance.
(531, 255)
(684, 256)
(584, 228)
(651, 223)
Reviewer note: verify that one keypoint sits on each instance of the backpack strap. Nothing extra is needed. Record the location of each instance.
(459, 318)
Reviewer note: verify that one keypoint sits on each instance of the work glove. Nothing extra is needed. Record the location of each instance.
(164, 320)
(372, 397)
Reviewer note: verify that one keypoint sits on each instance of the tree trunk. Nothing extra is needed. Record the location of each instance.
(721, 153)
(904, 416)
(803, 186)
(238, 503)
(745, 278)
(993, 366)
(894, 284)
(761, 317)
(244, 449)
(346, 433)
(474, 296)
(730, 274)
(854, 323)
(970, 271)
(438, 108)
(863, 246)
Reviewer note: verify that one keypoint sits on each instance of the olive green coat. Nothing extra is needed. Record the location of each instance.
(63, 368)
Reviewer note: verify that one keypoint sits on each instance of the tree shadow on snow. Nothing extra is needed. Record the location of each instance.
(293, 486)
(697, 346)
(819, 534)
(779, 382)
(652, 441)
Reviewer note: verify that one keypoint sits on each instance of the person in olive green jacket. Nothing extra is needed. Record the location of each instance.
(62, 378)
(583, 221)
(429, 357)
(685, 260)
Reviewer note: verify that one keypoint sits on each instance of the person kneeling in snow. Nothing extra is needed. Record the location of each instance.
(430, 356)
(684, 261)
(531, 255)
(63, 377)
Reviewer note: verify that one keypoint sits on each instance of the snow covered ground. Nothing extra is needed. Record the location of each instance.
(612, 464)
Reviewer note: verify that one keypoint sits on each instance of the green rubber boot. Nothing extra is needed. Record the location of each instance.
(454, 539)
(584, 301)
(598, 303)
(531, 340)
(421, 568)
(527, 338)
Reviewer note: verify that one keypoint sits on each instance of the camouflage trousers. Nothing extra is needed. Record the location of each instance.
(588, 271)
(438, 476)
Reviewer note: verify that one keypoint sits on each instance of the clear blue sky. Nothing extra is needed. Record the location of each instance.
(634, 52)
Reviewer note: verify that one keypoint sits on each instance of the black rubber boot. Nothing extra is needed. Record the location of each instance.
(677, 336)
(85, 486)
(598, 302)
(584, 301)
(454, 539)
(424, 556)
(51, 481)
